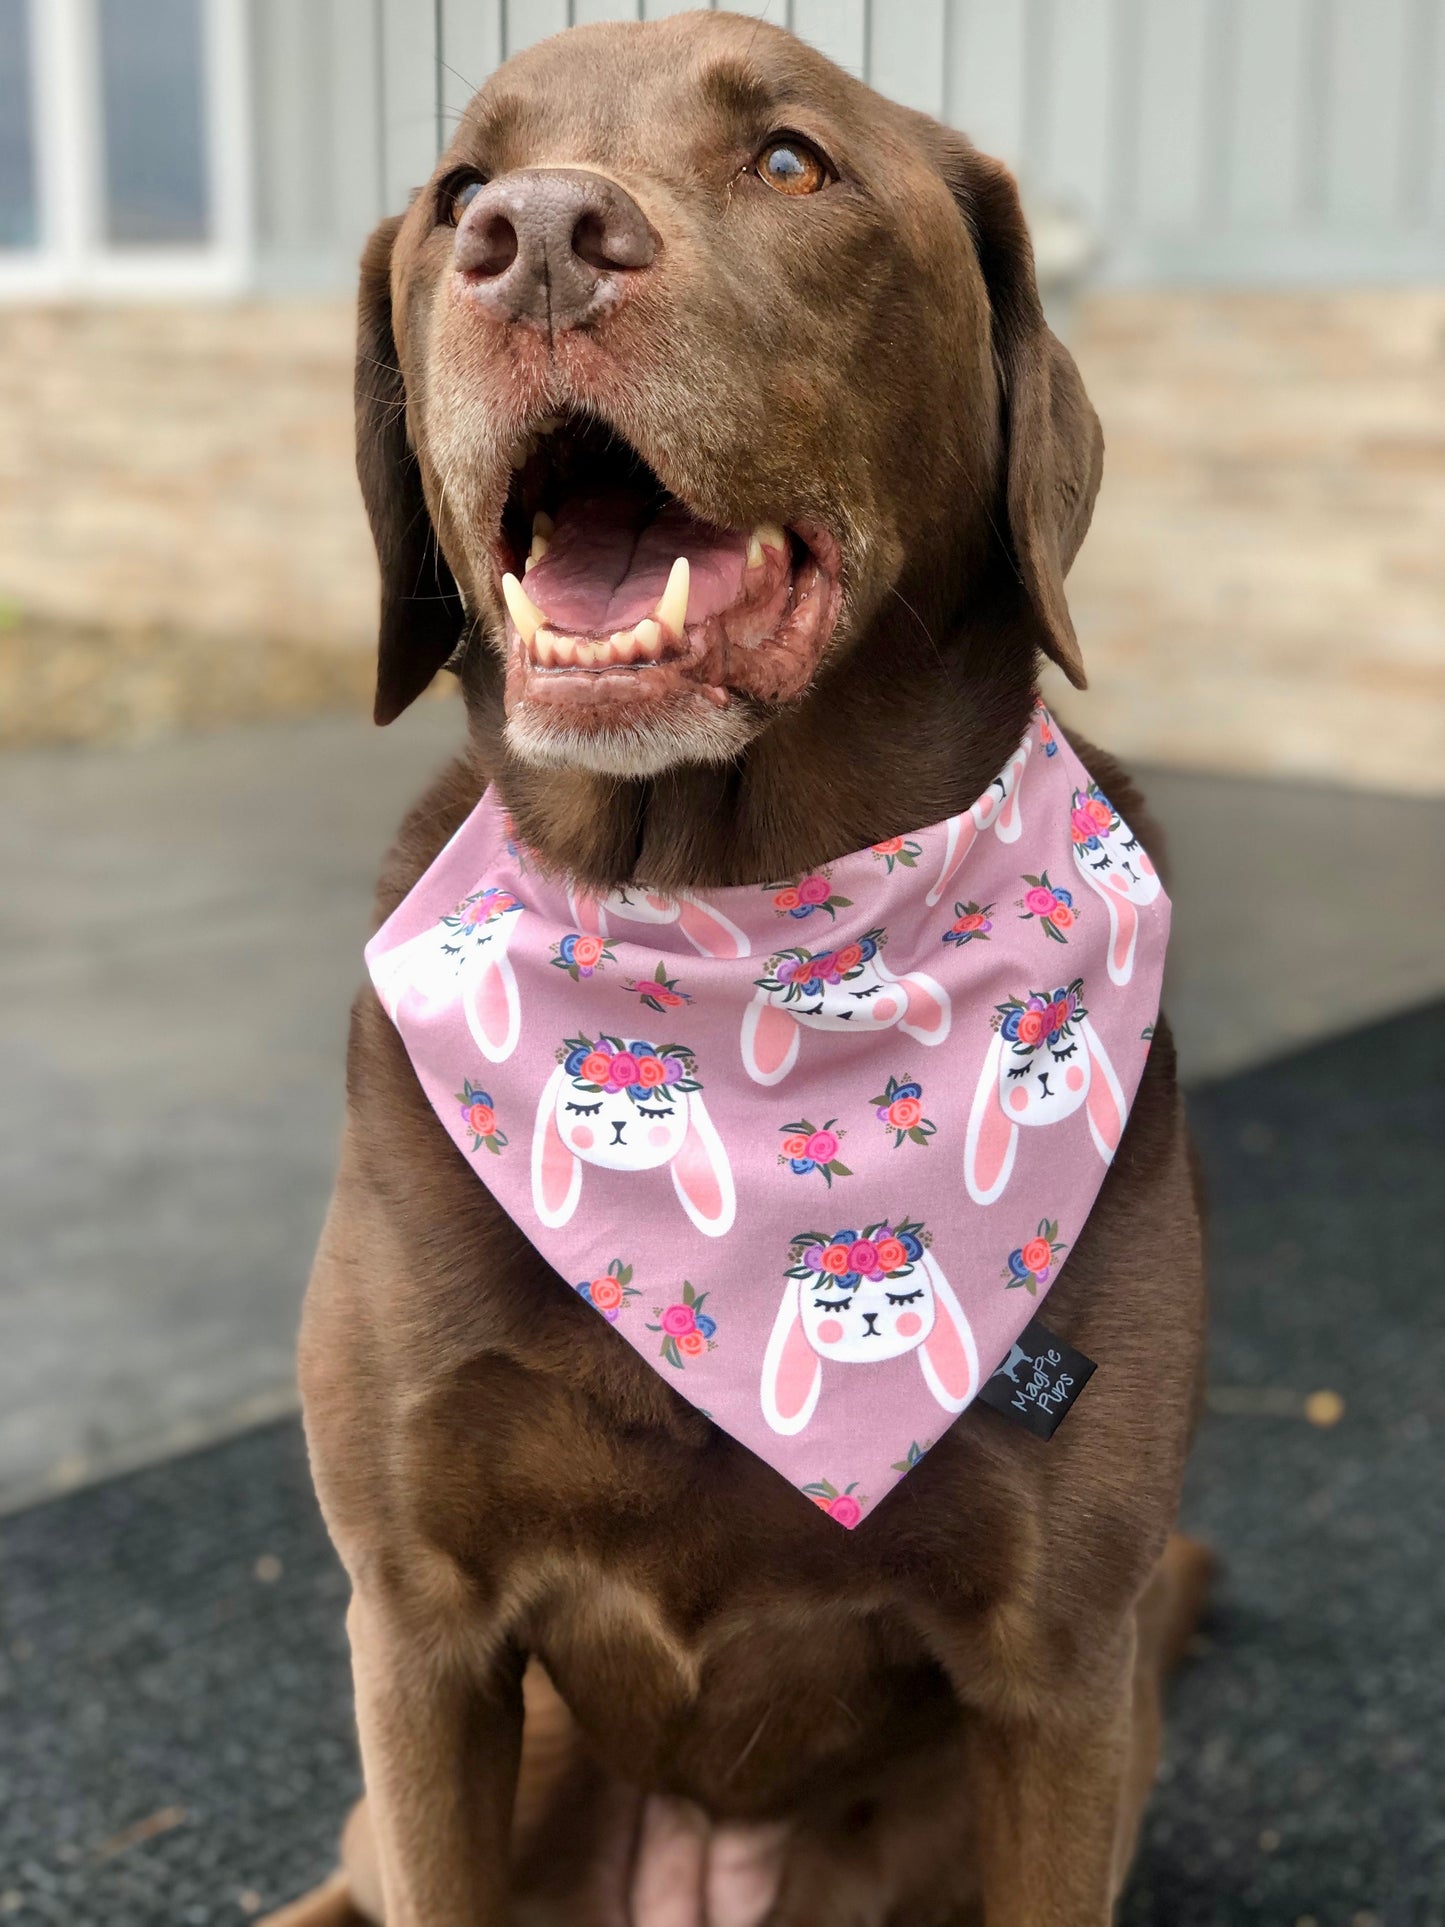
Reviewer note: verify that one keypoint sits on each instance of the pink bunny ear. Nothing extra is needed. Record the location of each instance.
(948, 1356)
(1105, 1101)
(961, 833)
(1123, 935)
(770, 1041)
(701, 1174)
(792, 1370)
(992, 1137)
(930, 1011)
(709, 931)
(493, 1006)
(587, 911)
(556, 1172)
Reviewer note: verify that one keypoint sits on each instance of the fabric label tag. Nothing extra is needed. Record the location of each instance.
(1037, 1384)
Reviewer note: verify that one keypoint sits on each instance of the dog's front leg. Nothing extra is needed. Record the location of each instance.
(439, 1751)
(1049, 1794)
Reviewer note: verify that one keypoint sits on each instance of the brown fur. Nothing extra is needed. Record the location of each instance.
(957, 1705)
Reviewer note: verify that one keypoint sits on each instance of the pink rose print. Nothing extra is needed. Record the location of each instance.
(1049, 905)
(843, 1506)
(687, 1330)
(609, 1293)
(898, 1105)
(480, 1118)
(808, 1147)
(809, 893)
(1036, 1259)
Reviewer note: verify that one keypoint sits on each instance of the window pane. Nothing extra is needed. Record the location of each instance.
(19, 221)
(152, 86)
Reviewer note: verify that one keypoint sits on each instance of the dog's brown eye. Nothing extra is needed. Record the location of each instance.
(792, 167)
(456, 192)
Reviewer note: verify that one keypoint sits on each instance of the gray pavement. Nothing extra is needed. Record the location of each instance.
(180, 932)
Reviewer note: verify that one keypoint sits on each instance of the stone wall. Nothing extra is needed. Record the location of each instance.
(1264, 589)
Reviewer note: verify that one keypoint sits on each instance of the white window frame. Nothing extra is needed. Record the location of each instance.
(73, 258)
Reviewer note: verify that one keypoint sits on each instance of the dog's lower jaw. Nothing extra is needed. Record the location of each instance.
(689, 732)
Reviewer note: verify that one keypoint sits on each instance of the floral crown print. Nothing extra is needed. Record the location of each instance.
(1026, 1022)
(802, 973)
(1091, 818)
(842, 1261)
(484, 907)
(809, 893)
(641, 1069)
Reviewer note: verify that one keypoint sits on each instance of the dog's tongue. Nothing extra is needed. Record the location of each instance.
(609, 557)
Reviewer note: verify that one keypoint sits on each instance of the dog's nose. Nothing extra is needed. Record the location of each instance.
(552, 246)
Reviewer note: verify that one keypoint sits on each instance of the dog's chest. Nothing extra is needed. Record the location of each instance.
(750, 1706)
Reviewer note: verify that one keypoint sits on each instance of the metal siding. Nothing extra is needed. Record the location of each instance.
(1168, 169)
(409, 95)
(1264, 139)
(838, 28)
(471, 49)
(529, 21)
(584, 12)
(1363, 150)
(906, 52)
(985, 77)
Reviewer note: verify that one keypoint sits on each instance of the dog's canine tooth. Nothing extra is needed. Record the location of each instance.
(671, 611)
(767, 535)
(524, 612)
(647, 640)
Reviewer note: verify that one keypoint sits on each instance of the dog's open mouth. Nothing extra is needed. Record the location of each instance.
(621, 601)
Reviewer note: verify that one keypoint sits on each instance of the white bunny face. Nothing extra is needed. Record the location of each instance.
(997, 809)
(858, 1300)
(1116, 866)
(1045, 1063)
(850, 988)
(879, 1318)
(1044, 1075)
(628, 1107)
(467, 948)
(620, 1132)
(709, 932)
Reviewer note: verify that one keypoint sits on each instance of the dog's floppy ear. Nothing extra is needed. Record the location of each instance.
(421, 611)
(1055, 448)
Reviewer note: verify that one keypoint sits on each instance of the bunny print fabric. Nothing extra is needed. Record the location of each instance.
(817, 1148)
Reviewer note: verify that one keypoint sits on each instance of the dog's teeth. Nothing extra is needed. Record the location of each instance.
(548, 425)
(671, 611)
(620, 646)
(564, 652)
(544, 648)
(543, 529)
(523, 610)
(587, 653)
(520, 452)
(647, 640)
(767, 535)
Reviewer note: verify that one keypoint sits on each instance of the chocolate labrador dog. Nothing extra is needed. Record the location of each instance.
(687, 288)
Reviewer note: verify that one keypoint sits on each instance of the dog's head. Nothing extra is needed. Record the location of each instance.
(691, 356)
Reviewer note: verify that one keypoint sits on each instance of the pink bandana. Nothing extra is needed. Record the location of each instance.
(817, 1148)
